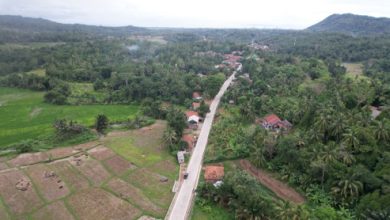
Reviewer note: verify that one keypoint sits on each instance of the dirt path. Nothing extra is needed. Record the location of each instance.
(281, 189)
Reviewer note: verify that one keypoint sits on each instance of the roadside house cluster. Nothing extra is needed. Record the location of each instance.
(231, 61)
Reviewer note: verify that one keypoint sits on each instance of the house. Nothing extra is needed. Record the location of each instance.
(180, 157)
(273, 122)
(192, 119)
(196, 96)
(190, 140)
(195, 105)
(213, 173)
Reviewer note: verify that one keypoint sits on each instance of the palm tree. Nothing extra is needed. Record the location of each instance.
(170, 137)
(257, 158)
(347, 189)
(382, 132)
(319, 163)
(314, 135)
(345, 156)
(338, 126)
(288, 211)
(350, 138)
(328, 153)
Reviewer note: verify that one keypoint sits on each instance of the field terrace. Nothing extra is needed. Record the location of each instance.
(130, 172)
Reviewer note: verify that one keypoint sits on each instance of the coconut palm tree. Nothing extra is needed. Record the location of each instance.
(328, 153)
(381, 131)
(338, 126)
(347, 189)
(288, 211)
(170, 137)
(345, 156)
(350, 138)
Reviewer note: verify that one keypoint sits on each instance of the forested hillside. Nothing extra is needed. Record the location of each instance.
(353, 25)
(22, 29)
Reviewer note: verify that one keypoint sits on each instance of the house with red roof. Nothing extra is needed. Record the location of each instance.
(213, 173)
(190, 140)
(273, 122)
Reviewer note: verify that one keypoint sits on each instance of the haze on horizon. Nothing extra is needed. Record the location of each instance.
(296, 14)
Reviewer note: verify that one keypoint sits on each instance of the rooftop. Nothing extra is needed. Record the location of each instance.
(214, 173)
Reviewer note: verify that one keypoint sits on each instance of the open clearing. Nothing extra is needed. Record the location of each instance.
(86, 180)
(94, 203)
(354, 70)
(24, 115)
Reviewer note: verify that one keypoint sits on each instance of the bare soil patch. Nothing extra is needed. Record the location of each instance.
(158, 192)
(62, 152)
(149, 136)
(3, 166)
(281, 189)
(94, 204)
(18, 201)
(28, 158)
(165, 167)
(70, 175)
(94, 171)
(56, 210)
(118, 165)
(86, 146)
(101, 153)
(134, 195)
(48, 182)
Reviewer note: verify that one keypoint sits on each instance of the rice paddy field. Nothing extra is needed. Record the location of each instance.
(24, 115)
(131, 173)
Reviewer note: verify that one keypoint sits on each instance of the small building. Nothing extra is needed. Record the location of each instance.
(180, 157)
(190, 140)
(193, 119)
(214, 173)
(273, 122)
(197, 96)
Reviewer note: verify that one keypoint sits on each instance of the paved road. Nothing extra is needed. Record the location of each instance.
(182, 204)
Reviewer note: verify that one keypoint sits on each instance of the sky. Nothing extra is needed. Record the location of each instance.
(286, 14)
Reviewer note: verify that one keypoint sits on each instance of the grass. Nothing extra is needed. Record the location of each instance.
(84, 93)
(210, 212)
(24, 115)
(124, 146)
(354, 71)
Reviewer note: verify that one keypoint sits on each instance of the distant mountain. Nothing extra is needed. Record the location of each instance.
(18, 28)
(353, 25)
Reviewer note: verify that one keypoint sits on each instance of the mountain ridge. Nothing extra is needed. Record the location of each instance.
(352, 24)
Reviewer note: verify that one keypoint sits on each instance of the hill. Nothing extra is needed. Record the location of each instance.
(19, 29)
(353, 25)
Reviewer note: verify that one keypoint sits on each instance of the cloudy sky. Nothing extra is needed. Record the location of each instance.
(292, 14)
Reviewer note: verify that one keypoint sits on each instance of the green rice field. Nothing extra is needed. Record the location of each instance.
(24, 115)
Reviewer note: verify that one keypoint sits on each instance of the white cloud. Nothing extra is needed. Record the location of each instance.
(193, 13)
